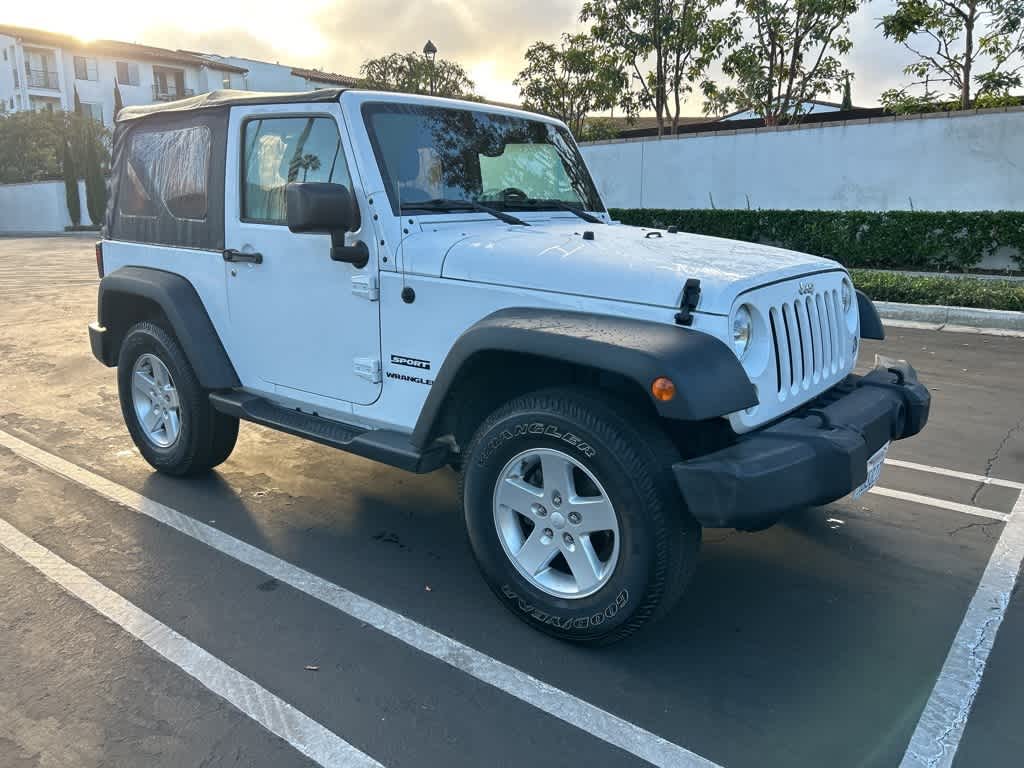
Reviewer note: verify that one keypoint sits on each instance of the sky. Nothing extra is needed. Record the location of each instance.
(488, 37)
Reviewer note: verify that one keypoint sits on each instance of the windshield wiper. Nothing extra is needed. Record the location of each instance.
(539, 203)
(564, 206)
(463, 205)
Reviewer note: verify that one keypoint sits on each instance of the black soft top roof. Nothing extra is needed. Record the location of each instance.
(225, 99)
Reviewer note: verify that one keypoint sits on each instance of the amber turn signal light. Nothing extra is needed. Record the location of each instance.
(663, 389)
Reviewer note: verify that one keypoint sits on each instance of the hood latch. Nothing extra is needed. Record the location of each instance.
(691, 297)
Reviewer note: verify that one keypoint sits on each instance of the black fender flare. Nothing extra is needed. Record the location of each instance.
(709, 379)
(870, 322)
(124, 299)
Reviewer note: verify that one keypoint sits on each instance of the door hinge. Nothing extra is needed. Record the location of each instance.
(366, 286)
(368, 368)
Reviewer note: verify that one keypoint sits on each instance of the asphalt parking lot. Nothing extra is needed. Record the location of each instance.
(301, 605)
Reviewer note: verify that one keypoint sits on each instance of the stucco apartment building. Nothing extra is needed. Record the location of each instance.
(44, 70)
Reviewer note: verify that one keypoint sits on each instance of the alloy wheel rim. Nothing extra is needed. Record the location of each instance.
(155, 400)
(556, 523)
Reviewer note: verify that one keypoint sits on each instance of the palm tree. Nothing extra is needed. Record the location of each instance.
(309, 163)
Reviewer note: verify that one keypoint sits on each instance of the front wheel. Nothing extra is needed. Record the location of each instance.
(574, 517)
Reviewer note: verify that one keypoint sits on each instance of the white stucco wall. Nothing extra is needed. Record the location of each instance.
(963, 161)
(263, 75)
(37, 207)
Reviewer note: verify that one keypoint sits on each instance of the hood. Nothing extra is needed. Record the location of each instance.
(620, 263)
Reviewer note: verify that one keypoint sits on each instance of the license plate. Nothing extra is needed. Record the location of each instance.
(874, 471)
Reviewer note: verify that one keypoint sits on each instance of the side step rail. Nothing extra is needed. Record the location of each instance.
(384, 445)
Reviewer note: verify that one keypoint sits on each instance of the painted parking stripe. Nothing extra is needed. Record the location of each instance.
(553, 701)
(938, 733)
(983, 479)
(279, 717)
(931, 501)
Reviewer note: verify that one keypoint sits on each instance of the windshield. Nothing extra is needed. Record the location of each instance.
(431, 154)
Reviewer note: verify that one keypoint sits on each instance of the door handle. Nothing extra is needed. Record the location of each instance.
(233, 255)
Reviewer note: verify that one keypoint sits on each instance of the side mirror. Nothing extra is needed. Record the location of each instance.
(328, 209)
(319, 207)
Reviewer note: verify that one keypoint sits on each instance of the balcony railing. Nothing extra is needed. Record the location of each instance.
(42, 78)
(170, 94)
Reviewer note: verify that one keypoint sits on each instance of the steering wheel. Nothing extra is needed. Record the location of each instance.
(509, 193)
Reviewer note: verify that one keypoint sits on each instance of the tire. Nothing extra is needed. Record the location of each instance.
(611, 454)
(204, 437)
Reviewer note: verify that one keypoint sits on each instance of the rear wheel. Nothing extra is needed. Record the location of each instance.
(166, 410)
(574, 517)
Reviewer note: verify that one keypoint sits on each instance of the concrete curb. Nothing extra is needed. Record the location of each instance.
(959, 316)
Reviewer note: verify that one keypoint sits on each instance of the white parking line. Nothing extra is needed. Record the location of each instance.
(938, 733)
(279, 717)
(983, 479)
(931, 501)
(553, 701)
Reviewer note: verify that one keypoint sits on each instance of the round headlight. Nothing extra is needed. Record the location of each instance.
(742, 330)
(847, 296)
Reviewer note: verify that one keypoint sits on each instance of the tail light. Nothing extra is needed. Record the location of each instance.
(99, 258)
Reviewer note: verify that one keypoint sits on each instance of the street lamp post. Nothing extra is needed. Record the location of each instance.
(430, 51)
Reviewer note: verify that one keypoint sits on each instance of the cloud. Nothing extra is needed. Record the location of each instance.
(488, 37)
(485, 35)
(226, 41)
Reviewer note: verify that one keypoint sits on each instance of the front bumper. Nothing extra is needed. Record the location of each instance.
(815, 456)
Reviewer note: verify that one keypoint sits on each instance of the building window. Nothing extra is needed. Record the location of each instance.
(225, 82)
(95, 111)
(282, 150)
(127, 73)
(86, 69)
(5, 54)
(16, 83)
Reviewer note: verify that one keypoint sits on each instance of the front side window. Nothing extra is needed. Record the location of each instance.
(167, 173)
(86, 68)
(127, 73)
(429, 156)
(280, 150)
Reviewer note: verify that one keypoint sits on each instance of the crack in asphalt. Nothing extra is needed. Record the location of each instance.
(984, 527)
(990, 464)
(978, 669)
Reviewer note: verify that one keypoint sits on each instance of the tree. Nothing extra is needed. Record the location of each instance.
(71, 197)
(680, 38)
(961, 32)
(847, 104)
(570, 79)
(118, 103)
(598, 129)
(412, 72)
(32, 144)
(787, 56)
(95, 181)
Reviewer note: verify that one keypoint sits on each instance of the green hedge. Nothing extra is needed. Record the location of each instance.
(920, 240)
(943, 291)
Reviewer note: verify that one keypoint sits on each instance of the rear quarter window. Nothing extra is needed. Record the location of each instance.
(167, 184)
(167, 173)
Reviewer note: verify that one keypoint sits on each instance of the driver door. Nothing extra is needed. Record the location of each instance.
(301, 324)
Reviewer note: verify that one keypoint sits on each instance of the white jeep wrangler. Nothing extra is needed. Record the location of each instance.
(429, 283)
